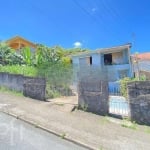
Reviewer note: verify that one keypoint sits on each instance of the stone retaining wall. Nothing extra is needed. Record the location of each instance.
(146, 74)
(34, 87)
(93, 96)
(139, 101)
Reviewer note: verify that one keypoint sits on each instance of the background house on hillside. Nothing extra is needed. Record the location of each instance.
(18, 42)
(109, 64)
(141, 65)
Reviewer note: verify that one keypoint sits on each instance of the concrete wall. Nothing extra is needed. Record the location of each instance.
(93, 96)
(139, 101)
(12, 81)
(30, 87)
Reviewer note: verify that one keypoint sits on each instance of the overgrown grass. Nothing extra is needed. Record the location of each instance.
(17, 69)
(58, 76)
(147, 129)
(128, 124)
(101, 148)
(6, 90)
(105, 120)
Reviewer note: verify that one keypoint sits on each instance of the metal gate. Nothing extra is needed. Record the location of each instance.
(118, 105)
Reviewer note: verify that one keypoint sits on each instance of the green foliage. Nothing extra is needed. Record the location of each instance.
(125, 81)
(27, 55)
(6, 90)
(56, 73)
(46, 55)
(5, 54)
(101, 148)
(9, 56)
(142, 78)
(17, 69)
(128, 124)
(51, 92)
(123, 86)
(147, 129)
(59, 78)
(53, 63)
(16, 59)
(63, 135)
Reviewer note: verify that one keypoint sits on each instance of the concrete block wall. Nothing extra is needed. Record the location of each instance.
(12, 81)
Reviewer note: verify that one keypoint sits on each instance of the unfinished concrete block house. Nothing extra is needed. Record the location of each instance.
(113, 63)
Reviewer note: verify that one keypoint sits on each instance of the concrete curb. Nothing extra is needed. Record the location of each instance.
(48, 130)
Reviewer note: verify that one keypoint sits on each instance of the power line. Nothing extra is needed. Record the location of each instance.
(96, 20)
(84, 10)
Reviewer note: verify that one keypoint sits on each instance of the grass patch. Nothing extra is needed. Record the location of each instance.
(128, 124)
(17, 69)
(6, 90)
(59, 104)
(101, 148)
(147, 129)
(105, 120)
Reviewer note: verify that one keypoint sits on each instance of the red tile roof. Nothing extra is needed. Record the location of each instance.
(143, 56)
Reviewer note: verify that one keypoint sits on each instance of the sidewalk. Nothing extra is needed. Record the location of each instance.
(85, 128)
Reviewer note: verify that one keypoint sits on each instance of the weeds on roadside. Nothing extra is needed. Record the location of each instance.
(63, 135)
(101, 148)
(147, 129)
(4, 89)
(59, 104)
(105, 120)
(128, 124)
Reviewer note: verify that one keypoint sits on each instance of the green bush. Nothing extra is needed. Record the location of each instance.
(123, 86)
(125, 81)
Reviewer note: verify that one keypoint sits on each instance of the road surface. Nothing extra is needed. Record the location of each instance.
(18, 135)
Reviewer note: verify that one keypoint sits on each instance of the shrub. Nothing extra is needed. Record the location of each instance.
(125, 81)
(17, 69)
(123, 86)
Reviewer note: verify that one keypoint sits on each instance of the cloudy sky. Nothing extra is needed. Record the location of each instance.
(78, 23)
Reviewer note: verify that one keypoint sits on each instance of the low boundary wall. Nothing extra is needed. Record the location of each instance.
(30, 86)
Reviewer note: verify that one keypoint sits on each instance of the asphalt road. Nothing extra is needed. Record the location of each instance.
(18, 135)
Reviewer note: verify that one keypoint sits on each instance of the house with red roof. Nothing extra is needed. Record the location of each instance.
(141, 64)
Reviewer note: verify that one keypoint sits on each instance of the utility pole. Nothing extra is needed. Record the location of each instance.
(137, 64)
(135, 58)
